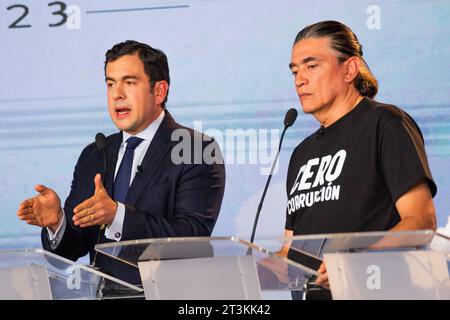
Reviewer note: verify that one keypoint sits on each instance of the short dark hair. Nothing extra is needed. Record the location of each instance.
(154, 60)
(344, 41)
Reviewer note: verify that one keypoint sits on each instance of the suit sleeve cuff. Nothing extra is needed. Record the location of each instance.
(114, 231)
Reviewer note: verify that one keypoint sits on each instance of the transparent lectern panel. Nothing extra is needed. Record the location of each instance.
(67, 280)
(25, 283)
(274, 272)
(441, 243)
(395, 265)
(357, 257)
(317, 245)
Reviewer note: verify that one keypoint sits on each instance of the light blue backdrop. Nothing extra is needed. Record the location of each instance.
(229, 68)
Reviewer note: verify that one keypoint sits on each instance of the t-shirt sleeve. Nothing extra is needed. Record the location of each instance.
(403, 159)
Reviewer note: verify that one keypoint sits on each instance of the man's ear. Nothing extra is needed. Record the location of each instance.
(352, 66)
(160, 91)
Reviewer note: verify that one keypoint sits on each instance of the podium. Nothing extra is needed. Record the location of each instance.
(208, 268)
(37, 274)
(380, 265)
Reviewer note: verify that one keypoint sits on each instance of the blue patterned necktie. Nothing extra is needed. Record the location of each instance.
(122, 181)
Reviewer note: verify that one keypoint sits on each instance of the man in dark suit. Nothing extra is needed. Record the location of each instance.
(145, 191)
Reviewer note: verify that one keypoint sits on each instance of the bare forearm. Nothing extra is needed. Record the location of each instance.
(416, 210)
(283, 252)
(427, 222)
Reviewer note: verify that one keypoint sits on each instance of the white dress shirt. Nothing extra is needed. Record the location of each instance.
(114, 231)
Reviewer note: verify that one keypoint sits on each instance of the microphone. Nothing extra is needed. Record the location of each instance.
(289, 119)
(139, 169)
(100, 141)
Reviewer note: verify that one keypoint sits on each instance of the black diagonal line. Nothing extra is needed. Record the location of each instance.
(139, 9)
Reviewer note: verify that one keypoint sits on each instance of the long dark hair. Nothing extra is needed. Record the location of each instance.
(346, 44)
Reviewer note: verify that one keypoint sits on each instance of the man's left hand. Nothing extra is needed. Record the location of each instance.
(99, 209)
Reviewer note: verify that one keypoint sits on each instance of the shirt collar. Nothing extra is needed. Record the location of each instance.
(148, 133)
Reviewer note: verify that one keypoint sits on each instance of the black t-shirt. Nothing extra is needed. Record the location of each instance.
(348, 176)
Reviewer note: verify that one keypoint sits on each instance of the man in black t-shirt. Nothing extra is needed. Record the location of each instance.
(366, 168)
(348, 176)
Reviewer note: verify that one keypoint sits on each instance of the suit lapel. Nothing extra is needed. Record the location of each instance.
(156, 152)
(112, 153)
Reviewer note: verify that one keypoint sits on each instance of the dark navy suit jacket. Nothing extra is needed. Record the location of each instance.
(164, 200)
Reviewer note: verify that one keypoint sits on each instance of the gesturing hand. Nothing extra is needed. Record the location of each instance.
(97, 210)
(43, 210)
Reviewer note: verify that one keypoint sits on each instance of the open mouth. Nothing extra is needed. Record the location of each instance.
(122, 112)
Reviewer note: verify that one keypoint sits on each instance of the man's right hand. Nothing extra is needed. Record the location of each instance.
(43, 210)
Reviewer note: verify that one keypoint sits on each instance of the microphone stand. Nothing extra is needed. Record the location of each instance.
(101, 283)
(252, 238)
(102, 227)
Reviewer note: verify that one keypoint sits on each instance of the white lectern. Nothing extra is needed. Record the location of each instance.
(207, 268)
(380, 265)
(37, 274)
